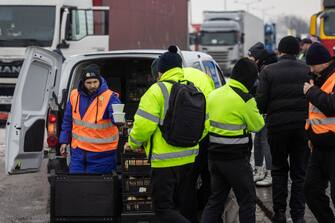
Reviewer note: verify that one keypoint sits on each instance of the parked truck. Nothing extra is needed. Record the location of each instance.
(76, 26)
(322, 25)
(227, 35)
(70, 26)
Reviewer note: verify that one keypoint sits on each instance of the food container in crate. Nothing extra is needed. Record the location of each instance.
(133, 203)
(135, 163)
(136, 184)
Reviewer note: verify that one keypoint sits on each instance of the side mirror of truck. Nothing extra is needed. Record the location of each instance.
(242, 38)
(312, 28)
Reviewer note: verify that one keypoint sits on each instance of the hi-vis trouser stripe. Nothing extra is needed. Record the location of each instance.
(222, 126)
(323, 121)
(95, 140)
(228, 141)
(92, 125)
(179, 154)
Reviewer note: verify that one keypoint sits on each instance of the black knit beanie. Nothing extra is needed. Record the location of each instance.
(90, 72)
(317, 54)
(246, 72)
(169, 60)
(256, 50)
(289, 45)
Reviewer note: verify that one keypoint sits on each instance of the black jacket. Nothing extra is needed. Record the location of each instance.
(326, 104)
(280, 94)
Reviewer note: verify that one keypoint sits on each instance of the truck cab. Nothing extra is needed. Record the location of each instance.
(221, 39)
(44, 86)
(70, 26)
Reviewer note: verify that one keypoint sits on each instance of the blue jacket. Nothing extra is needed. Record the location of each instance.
(85, 101)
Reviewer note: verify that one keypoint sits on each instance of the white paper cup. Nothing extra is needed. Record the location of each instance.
(119, 117)
(118, 108)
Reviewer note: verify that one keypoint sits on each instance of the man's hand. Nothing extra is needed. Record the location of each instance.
(127, 147)
(307, 86)
(62, 150)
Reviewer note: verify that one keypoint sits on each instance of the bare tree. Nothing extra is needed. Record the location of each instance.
(292, 23)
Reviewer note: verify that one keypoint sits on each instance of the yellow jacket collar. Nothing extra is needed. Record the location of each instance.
(173, 74)
(235, 83)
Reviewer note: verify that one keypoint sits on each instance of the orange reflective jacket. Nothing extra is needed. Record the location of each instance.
(92, 132)
(319, 122)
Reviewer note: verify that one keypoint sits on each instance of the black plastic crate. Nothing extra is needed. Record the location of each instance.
(139, 218)
(136, 184)
(85, 198)
(135, 163)
(136, 204)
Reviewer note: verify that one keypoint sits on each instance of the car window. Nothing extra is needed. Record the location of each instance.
(211, 70)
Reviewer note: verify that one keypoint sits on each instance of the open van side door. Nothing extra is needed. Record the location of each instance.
(38, 79)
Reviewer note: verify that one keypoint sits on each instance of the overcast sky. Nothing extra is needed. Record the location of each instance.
(270, 9)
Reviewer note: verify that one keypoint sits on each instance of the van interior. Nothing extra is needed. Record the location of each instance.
(129, 77)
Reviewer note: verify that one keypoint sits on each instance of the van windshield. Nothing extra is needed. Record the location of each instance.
(22, 26)
(218, 38)
(329, 21)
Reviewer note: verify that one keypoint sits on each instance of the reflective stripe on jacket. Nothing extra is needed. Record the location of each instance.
(318, 121)
(232, 115)
(150, 113)
(92, 132)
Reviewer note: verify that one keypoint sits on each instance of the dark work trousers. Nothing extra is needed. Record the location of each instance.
(321, 171)
(170, 191)
(290, 153)
(199, 197)
(227, 174)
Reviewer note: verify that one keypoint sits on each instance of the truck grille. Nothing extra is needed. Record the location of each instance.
(10, 69)
(221, 58)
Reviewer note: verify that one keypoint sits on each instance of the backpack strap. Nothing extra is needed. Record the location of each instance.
(166, 97)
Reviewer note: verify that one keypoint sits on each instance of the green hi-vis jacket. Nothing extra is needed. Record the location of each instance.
(151, 113)
(233, 114)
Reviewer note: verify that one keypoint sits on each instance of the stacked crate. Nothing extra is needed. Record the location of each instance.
(136, 188)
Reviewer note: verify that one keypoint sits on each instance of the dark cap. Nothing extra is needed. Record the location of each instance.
(289, 45)
(246, 72)
(91, 71)
(317, 54)
(256, 50)
(169, 60)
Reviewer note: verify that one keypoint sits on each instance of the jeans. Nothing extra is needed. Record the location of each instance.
(262, 149)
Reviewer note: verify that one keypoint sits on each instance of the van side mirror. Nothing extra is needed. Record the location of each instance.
(312, 27)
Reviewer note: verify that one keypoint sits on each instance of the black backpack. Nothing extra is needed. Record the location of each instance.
(184, 120)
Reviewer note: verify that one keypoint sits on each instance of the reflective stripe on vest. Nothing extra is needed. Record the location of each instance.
(179, 154)
(228, 141)
(318, 121)
(135, 141)
(166, 98)
(222, 126)
(92, 132)
(147, 115)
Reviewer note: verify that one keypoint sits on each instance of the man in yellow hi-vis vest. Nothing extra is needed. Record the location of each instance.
(172, 165)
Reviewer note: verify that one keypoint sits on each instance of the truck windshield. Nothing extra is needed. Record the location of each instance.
(329, 21)
(22, 26)
(218, 38)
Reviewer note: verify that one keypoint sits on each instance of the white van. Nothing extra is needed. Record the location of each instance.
(43, 88)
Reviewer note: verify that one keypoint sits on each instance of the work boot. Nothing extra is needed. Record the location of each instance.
(267, 181)
(259, 173)
(279, 217)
